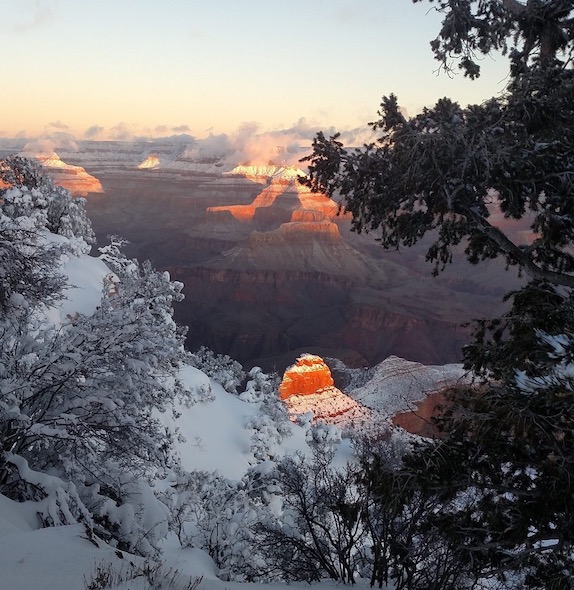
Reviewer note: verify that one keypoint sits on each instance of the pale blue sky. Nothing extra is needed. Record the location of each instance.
(156, 67)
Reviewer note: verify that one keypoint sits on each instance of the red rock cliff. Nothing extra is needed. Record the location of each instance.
(307, 376)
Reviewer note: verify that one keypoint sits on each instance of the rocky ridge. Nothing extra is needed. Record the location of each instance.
(396, 385)
(73, 178)
(307, 388)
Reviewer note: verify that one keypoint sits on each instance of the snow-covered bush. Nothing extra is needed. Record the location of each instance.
(267, 435)
(135, 520)
(271, 425)
(260, 386)
(324, 438)
(219, 516)
(79, 399)
(84, 393)
(33, 195)
(220, 367)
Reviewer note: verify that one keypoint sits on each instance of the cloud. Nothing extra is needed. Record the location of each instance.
(32, 16)
(359, 136)
(248, 145)
(47, 144)
(121, 132)
(64, 141)
(213, 146)
(283, 147)
(58, 125)
(181, 129)
(40, 147)
(93, 132)
(303, 128)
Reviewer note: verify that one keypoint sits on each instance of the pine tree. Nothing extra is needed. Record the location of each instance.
(504, 465)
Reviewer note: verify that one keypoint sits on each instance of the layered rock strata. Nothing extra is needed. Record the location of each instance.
(73, 178)
(307, 376)
(307, 388)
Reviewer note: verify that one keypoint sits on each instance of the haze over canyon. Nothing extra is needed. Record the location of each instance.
(270, 269)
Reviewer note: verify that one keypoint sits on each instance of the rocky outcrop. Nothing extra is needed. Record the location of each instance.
(307, 388)
(397, 386)
(331, 406)
(308, 375)
(152, 161)
(73, 178)
(266, 174)
(285, 196)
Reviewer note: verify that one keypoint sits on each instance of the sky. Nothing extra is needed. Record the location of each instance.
(109, 69)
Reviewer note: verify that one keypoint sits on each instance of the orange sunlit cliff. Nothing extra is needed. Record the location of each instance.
(282, 190)
(307, 376)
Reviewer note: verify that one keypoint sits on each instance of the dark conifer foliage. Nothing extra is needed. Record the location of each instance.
(504, 465)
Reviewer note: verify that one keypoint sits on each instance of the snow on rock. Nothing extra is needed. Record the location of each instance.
(307, 387)
(264, 174)
(331, 406)
(397, 384)
(150, 162)
(72, 178)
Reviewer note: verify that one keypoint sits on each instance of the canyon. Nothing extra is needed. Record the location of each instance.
(270, 269)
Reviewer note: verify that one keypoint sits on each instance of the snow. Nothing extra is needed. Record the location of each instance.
(45, 559)
(85, 277)
(214, 432)
(216, 436)
(63, 557)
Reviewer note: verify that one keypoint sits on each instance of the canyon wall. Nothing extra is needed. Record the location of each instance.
(270, 270)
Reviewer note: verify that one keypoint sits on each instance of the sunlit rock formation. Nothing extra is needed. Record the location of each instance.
(152, 161)
(308, 375)
(265, 174)
(284, 199)
(73, 178)
(307, 388)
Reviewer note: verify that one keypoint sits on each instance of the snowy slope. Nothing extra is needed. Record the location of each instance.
(395, 384)
(216, 436)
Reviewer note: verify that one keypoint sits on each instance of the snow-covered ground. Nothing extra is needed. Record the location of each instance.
(216, 436)
(62, 558)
